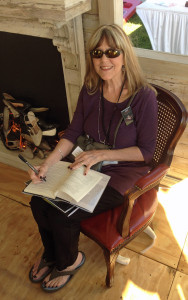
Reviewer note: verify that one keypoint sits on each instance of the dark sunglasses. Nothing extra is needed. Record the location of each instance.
(110, 53)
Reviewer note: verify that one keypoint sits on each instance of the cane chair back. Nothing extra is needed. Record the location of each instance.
(171, 115)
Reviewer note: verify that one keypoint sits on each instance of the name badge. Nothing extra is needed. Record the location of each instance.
(77, 151)
(127, 115)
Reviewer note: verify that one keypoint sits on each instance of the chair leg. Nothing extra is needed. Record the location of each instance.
(110, 264)
(152, 235)
(123, 260)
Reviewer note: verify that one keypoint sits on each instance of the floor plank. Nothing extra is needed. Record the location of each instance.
(12, 183)
(179, 290)
(183, 263)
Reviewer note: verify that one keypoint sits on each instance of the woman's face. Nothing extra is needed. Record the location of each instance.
(108, 68)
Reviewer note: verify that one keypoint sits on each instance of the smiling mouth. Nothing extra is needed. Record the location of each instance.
(105, 68)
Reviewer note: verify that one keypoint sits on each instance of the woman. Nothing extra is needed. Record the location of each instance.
(112, 76)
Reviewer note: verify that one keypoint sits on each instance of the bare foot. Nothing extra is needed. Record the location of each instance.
(56, 282)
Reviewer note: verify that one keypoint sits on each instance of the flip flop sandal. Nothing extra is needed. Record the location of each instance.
(6, 117)
(22, 105)
(8, 96)
(55, 273)
(14, 111)
(42, 264)
(49, 132)
(34, 130)
(39, 109)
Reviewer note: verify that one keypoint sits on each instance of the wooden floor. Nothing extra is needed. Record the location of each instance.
(161, 273)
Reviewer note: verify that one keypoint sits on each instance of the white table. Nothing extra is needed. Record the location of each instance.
(167, 27)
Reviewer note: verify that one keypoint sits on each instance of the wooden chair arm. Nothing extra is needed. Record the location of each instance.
(147, 182)
(144, 184)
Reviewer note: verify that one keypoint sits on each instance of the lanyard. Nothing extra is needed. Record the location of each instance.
(106, 132)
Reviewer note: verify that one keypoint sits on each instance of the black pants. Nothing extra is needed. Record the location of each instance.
(59, 233)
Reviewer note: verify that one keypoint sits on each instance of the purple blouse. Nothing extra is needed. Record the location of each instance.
(141, 132)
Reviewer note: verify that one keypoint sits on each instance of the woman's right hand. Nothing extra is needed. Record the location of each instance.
(43, 169)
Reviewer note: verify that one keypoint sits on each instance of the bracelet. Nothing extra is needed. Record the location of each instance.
(61, 153)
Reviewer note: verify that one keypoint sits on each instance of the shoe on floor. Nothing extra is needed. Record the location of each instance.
(49, 132)
(19, 105)
(39, 109)
(33, 128)
(14, 111)
(48, 129)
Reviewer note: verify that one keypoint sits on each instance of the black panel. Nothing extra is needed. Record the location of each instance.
(31, 70)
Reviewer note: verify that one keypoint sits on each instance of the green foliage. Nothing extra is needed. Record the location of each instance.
(135, 29)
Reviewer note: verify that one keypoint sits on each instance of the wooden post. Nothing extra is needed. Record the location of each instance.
(69, 41)
(110, 12)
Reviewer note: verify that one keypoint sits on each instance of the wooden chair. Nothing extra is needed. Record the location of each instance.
(115, 228)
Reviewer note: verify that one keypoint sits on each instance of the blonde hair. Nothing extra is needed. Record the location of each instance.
(117, 39)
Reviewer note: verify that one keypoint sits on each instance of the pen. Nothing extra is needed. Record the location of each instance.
(30, 166)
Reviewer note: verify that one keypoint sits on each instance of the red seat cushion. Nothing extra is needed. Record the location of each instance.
(102, 228)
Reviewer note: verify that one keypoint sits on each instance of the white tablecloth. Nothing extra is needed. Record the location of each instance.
(167, 26)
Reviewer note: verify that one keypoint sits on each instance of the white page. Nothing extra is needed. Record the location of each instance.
(91, 199)
(78, 184)
(54, 178)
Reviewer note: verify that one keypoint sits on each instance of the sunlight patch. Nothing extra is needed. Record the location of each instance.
(130, 27)
(174, 203)
(133, 292)
(180, 292)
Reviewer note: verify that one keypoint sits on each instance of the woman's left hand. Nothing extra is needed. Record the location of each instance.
(87, 159)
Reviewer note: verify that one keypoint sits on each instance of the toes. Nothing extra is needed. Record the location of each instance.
(40, 273)
(35, 267)
(52, 283)
(46, 279)
(56, 282)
